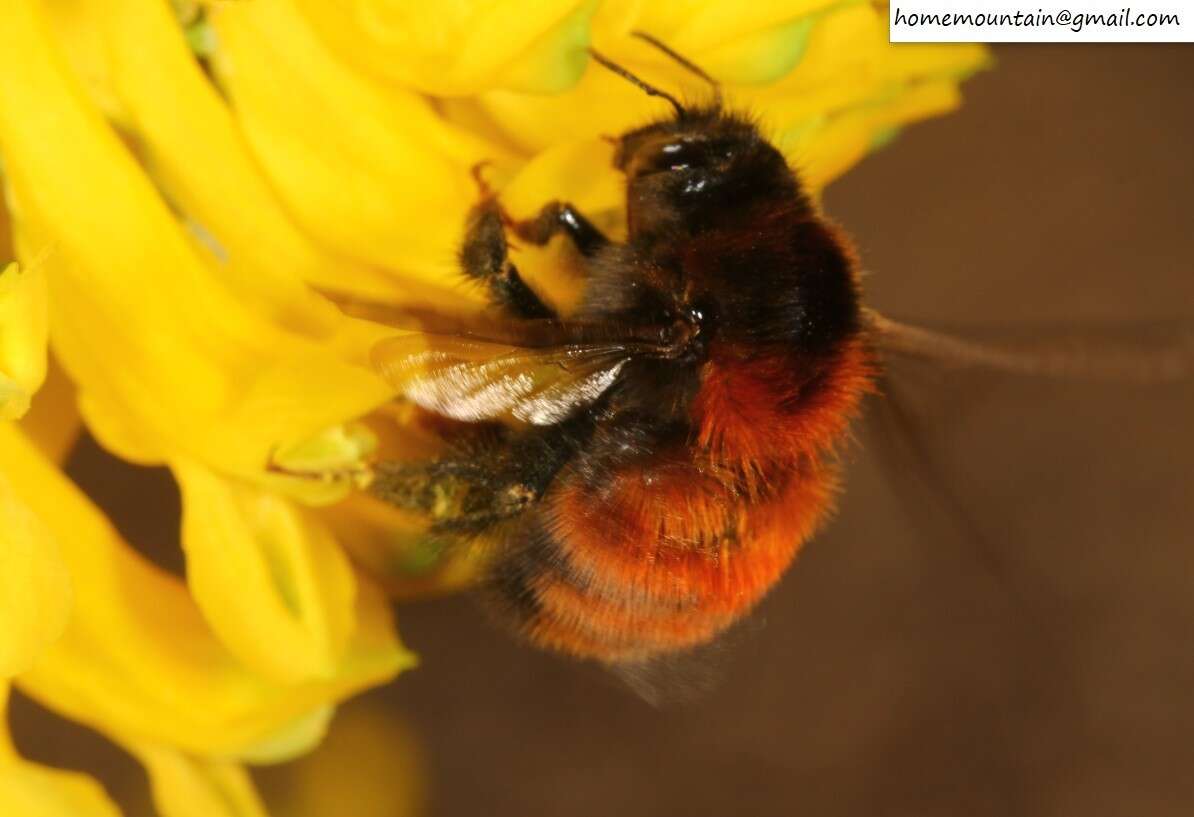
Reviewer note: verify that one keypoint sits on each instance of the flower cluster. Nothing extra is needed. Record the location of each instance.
(182, 183)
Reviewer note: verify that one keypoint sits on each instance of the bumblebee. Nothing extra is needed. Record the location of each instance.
(655, 460)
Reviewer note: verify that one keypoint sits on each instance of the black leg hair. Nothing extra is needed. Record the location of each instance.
(484, 257)
(557, 217)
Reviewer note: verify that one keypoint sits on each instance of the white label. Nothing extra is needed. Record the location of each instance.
(1068, 21)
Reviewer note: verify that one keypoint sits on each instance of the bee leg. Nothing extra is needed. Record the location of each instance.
(484, 256)
(428, 487)
(470, 490)
(491, 505)
(458, 496)
(556, 217)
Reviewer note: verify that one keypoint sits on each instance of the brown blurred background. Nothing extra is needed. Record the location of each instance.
(905, 666)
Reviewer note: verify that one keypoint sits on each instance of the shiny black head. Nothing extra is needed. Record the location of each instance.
(688, 172)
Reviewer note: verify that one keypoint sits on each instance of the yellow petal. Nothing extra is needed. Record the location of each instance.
(736, 43)
(169, 353)
(29, 790)
(741, 43)
(797, 66)
(398, 551)
(196, 153)
(325, 468)
(826, 152)
(6, 249)
(137, 658)
(53, 420)
(78, 27)
(371, 171)
(600, 104)
(454, 49)
(187, 786)
(760, 57)
(369, 766)
(853, 89)
(8, 752)
(35, 592)
(23, 333)
(295, 738)
(268, 575)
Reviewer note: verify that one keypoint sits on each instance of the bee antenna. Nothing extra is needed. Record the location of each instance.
(647, 88)
(683, 61)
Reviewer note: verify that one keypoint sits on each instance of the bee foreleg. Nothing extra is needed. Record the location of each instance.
(484, 255)
(557, 217)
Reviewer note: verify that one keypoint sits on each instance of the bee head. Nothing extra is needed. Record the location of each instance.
(690, 170)
(697, 169)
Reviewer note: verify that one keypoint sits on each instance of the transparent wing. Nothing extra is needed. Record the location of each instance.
(473, 380)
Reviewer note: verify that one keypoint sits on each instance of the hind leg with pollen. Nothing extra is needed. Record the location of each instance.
(470, 490)
(459, 496)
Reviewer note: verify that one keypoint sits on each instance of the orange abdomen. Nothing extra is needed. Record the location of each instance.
(672, 551)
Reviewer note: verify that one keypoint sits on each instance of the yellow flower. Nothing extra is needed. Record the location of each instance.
(182, 181)
(23, 332)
